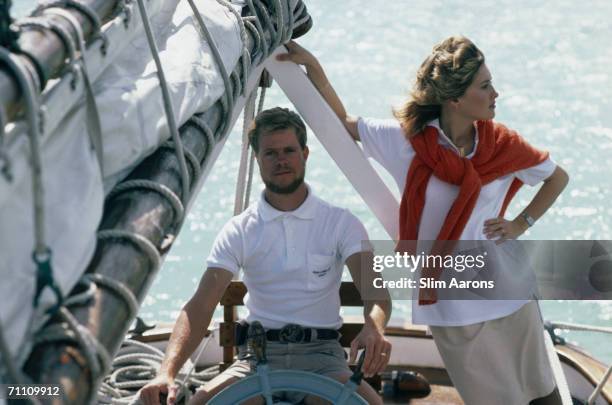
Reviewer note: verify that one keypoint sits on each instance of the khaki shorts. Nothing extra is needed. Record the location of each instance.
(501, 361)
(323, 357)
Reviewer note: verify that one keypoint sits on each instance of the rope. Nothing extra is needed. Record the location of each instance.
(168, 107)
(31, 100)
(265, 47)
(246, 56)
(249, 112)
(95, 353)
(70, 330)
(247, 196)
(118, 288)
(136, 364)
(193, 161)
(228, 102)
(165, 191)
(41, 254)
(183, 383)
(138, 240)
(86, 10)
(94, 127)
(84, 297)
(200, 124)
(50, 25)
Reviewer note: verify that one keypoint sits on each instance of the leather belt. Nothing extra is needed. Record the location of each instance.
(290, 333)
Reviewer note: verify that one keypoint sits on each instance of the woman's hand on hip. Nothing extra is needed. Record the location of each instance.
(501, 229)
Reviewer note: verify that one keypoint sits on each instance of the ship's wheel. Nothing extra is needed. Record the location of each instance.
(265, 382)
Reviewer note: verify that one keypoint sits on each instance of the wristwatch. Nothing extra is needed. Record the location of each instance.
(528, 218)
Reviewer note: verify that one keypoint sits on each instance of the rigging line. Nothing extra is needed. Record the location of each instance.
(32, 117)
(246, 56)
(94, 126)
(247, 196)
(42, 24)
(84, 9)
(180, 155)
(228, 101)
(249, 111)
(41, 254)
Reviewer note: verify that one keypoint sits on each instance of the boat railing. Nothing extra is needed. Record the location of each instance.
(588, 328)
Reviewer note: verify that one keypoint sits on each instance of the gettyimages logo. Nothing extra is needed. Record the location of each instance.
(516, 269)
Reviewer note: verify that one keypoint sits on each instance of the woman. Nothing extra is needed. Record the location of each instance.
(457, 171)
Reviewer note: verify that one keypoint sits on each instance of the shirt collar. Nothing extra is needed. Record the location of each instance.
(307, 210)
(444, 140)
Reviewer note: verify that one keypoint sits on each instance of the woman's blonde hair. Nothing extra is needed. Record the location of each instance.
(444, 75)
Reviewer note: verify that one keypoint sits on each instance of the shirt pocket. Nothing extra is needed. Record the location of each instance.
(320, 271)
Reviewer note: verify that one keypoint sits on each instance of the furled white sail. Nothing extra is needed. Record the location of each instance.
(133, 122)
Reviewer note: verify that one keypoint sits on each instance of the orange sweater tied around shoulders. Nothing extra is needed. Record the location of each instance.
(500, 152)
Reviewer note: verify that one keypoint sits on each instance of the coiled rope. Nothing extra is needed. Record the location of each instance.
(137, 363)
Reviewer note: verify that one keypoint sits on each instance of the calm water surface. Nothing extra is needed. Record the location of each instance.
(551, 65)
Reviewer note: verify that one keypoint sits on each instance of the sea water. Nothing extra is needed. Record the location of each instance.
(551, 66)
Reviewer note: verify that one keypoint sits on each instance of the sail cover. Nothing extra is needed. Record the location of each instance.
(133, 121)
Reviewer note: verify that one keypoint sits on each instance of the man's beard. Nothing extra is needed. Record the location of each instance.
(288, 189)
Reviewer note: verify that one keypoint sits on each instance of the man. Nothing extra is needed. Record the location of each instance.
(292, 247)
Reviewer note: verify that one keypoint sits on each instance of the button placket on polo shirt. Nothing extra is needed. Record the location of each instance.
(293, 261)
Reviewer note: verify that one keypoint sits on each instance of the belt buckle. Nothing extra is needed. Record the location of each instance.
(291, 333)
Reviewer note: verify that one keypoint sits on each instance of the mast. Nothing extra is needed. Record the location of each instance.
(44, 52)
(106, 316)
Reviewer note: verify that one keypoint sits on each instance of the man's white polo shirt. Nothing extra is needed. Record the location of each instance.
(292, 260)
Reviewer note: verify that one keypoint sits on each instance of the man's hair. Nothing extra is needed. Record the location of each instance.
(275, 119)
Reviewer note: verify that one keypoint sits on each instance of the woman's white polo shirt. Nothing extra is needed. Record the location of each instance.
(384, 141)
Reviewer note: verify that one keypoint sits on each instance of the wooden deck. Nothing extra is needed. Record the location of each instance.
(440, 395)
